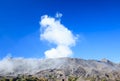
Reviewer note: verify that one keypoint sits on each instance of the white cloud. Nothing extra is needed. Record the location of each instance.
(58, 15)
(17, 65)
(59, 51)
(56, 33)
(52, 31)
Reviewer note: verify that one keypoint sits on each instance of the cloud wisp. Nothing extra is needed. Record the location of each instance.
(14, 66)
(56, 33)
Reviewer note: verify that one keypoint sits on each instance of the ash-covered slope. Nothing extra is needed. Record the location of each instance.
(65, 66)
(82, 68)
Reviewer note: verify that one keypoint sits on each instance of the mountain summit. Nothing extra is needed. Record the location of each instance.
(61, 69)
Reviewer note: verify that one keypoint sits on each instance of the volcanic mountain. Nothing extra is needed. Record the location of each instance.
(61, 69)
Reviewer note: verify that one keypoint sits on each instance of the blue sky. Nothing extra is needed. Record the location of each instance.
(96, 21)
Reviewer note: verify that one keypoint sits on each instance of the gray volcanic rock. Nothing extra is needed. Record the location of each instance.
(61, 67)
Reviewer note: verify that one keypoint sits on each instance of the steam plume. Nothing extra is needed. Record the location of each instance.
(52, 31)
(56, 33)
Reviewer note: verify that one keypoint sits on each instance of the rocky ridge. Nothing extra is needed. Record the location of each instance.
(63, 68)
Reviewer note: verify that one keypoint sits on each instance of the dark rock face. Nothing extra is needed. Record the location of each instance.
(62, 68)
